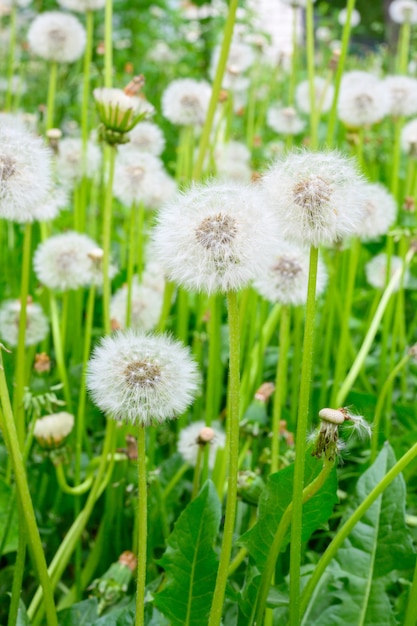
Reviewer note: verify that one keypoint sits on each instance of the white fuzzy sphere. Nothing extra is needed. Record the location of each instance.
(323, 95)
(185, 101)
(376, 271)
(56, 36)
(66, 261)
(215, 237)
(142, 379)
(188, 445)
(145, 137)
(403, 95)
(52, 429)
(409, 138)
(363, 99)
(241, 58)
(380, 211)
(232, 161)
(284, 121)
(49, 209)
(315, 196)
(355, 19)
(286, 278)
(69, 159)
(146, 304)
(25, 174)
(82, 6)
(136, 177)
(37, 326)
(403, 11)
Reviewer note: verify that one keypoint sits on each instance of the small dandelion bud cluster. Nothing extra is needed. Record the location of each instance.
(285, 120)
(51, 431)
(198, 435)
(142, 379)
(376, 270)
(185, 101)
(326, 438)
(119, 112)
(56, 36)
(403, 11)
(37, 326)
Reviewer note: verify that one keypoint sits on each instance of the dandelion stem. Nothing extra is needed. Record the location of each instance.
(310, 70)
(281, 376)
(107, 219)
(53, 75)
(142, 525)
(302, 420)
(108, 43)
(11, 59)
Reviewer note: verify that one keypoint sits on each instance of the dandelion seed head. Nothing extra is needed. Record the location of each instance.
(146, 137)
(355, 18)
(137, 177)
(285, 121)
(409, 138)
(37, 326)
(376, 270)
(82, 6)
(69, 159)
(185, 101)
(403, 11)
(146, 304)
(197, 434)
(363, 99)
(323, 95)
(380, 210)
(56, 36)
(403, 95)
(51, 431)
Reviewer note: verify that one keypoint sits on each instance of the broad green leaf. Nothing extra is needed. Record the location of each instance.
(354, 589)
(6, 501)
(81, 614)
(190, 562)
(273, 502)
(22, 616)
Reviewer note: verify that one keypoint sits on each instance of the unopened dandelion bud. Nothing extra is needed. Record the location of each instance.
(250, 487)
(53, 136)
(112, 586)
(206, 435)
(51, 431)
(118, 113)
(264, 392)
(42, 363)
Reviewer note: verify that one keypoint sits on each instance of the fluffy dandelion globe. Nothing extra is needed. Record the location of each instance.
(323, 33)
(37, 326)
(285, 120)
(409, 138)
(316, 197)
(198, 434)
(51, 431)
(363, 99)
(380, 211)
(142, 379)
(215, 237)
(323, 95)
(82, 6)
(376, 270)
(146, 305)
(286, 277)
(355, 18)
(241, 58)
(185, 101)
(403, 11)
(403, 94)
(69, 159)
(56, 36)
(146, 137)
(134, 177)
(25, 174)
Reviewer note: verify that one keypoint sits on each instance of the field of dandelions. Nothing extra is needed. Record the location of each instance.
(208, 313)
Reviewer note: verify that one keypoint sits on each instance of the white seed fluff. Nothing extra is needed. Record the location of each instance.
(409, 138)
(145, 137)
(69, 159)
(363, 99)
(188, 445)
(316, 197)
(142, 379)
(355, 18)
(376, 271)
(134, 176)
(285, 121)
(403, 94)
(37, 326)
(146, 304)
(52, 429)
(185, 101)
(216, 237)
(82, 6)
(323, 95)
(403, 11)
(56, 36)
(380, 210)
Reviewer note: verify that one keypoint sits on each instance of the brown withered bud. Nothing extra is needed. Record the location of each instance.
(42, 363)
(135, 85)
(115, 324)
(334, 61)
(409, 204)
(206, 435)
(223, 96)
(53, 136)
(128, 558)
(264, 392)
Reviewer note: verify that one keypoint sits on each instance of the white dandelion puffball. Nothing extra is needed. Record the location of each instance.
(363, 99)
(286, 278)
(215, 237)
(188, 442)
(403, 11)
(146, 305)
(37, 326)
(56, 36)
(185, 101)
(25, 174)
(323, 33)
(355, 18)
(409, 138)
(232, 161)
(82, 6)
(241, 58)
(145, 137)
(323, 95)
(380, 211)
(51, 430)
(135, 177)
(68, 261)
(69, 159)
(376, 271)
(315, 196)
(284, 121)
(142, 379)
(163, 189)
(49, 209)
(403, 94)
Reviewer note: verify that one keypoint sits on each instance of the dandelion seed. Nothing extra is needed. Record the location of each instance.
(56, 36)
(37, 325)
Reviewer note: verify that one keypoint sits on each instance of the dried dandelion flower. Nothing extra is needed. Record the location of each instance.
(185, 101)
(142, 379)
(56, 36)
(285, 121)
(326, 438)
(198, 435)
(51, 431)
(37, 325)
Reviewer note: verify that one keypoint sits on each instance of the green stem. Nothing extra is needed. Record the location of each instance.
(301, 436)
(28, 513)
(50, 107)
(66, 488)
(294, 57)
(108, 43)
(281, 377)
(59, 352)
(348, 526)
(310, 70)
(18, 572)
(166, 306)
(197, 471)
(89, 23)
(212, 386)
(233, 452)
(403, 48)
(11, 61)
(410, 615)
(174, 480)
(107, 219)
(217, 84)
(130, 264)
(372, 330)
(142, 527)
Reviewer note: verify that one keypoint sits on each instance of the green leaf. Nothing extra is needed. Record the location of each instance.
(273, 502)
(354, 589)
(6, 501)
(81, 614)
(190, 562)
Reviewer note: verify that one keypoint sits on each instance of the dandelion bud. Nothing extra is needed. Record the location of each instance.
(249, 487)
(53, 136)
(42, 363)
(334, 416)
(51, 431)
(112, 586)
(197, 434)
(206, 435)
(118, 112)
(264, 392)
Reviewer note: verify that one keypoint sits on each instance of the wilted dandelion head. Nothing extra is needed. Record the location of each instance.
(376, 270)
(315, 196)
(285, 120)
(142, 379)
(286, 277)
(323, 95)
(69, 159)
(146, 304)
(56, 36)
(37, 326)
(403, 94)
(25, 174)
(82, 6)
(215, 237)
(185, 101)
(403, 11)
(136, 177)
(198, 435)
(326, 438)
(363, 99)
(380, 210)
(51, 431)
